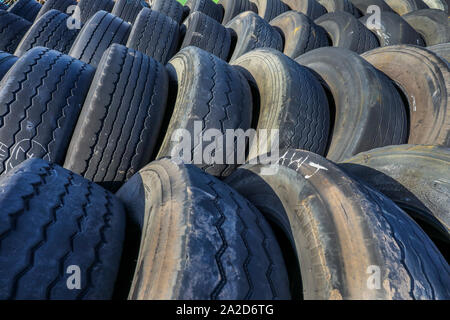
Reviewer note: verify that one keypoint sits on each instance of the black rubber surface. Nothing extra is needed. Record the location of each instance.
(128, 9)
(231, 8)
(432, 24)
(171, 8)
(88, 8)
(60, 5)
(27, 9)
(12, 29)
(7, 60)
(209, 8)
(311, 8)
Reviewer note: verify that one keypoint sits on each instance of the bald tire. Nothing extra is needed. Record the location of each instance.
(402, 7)
(432, 24)
(311, 8)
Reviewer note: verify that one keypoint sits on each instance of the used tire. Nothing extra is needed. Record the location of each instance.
(424, 79)
(442, 50)
(209, 8)
(347, 32)
(437, 4)
(3, 6)
(12, 29)
(7, 60)
(39, 105)
(393, 30)
(300, 33)
(52, 220)
(206, 33)
(209, 92)
(291, 100)
(27, 9)
(432, 24)
(231, 8)
(225, 246)
(119, 124)
(102, 30)
(249, 31)
(88, 8)
(406, 6)
(128, 9)
(269, 9)
(311, 8)
(368, 112)
(171, 8)
(60, 5)
(48, 31)
(363, 5)
(343, 232)
(339, 5)
(154, 34)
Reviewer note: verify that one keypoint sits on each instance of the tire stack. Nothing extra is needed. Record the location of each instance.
(109, 172)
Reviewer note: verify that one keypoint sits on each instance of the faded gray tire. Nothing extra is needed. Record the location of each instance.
(437, 4)
(424, 79)
(7, 60)
(60, 5)
(269, 9)
(300, 33)
(432, 24)
(250, 31)
(128, 9)
(442, 50)
(120, 120)
(393, 30)
(88, 8)
(347, 32)
(154, 34)
(12, 29)
(171, 8)
(341, 231)
(191, 219)
(406, 6)
(339, 5)
(27, 9)
(207, 91)
(291, 100)
(367, 110)
(101, 31)
(363, 5)
(232, 8)
(311, 8)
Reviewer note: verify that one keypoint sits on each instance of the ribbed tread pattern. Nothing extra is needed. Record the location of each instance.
(12, 29)
(128, 9)
(7, 60)
(88, 8)
(209, 8)
(232, 8)
(27, 9)
(60, 5)
(269, 9)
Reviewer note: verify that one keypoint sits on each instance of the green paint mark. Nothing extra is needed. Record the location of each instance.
(215, 1)
(183, 2)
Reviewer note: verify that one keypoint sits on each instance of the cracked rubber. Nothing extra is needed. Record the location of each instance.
(48, 31)
(191, 219)
(118, 126)
(60, 5)
(171, 8)
(424, 79)
(269, 9)
(27, 9)
(155, 35)
(291, 100)
(12, 29)
(250, 31)
(311, 8)
(7, 60)
(128, 9)
(340, 6)
(368, 109)
(51, 219)
(343, 231)
(101, 31)
(402, 7)
(39, 105)
(347, 32)
(88, 8)
(432, 24)
(206, 89)
(232, 8)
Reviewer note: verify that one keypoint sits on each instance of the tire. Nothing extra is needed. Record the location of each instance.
(48, 31)
(343, 231)
(101, 31)
(39, 105)
(424, 79)
(339, 6)
(363, 5)
(393, 30)
(232, 8)
(27, 9)
(206, 33)
(119, 124)
(249, 31)
(171, 8)
(52, 219)
(3, 6)
(442, 50)
(226, 248)
(12, 29)
(406, 6)
(414, 177)
(291, 100)
(209, 8)
(311, 8)
(7, 60)
(128, 9)
(437, 4)
(300, 33)
(432, 24)
(88, 8)
(60, 5)
(155, 35)
(269, 9)
(347, 32)
(367, 110)
(208, 90)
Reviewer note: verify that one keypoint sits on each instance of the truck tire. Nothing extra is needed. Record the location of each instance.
(7, 60)
(249, 31)
(368, 112)
(406, 6)
(442, 50)
(27, 9)
(154, 34)
(209, 8)
(39, 105)
(437, 4)
(60, 5)
(291, 100)
(311, 8)
(119, 124)
(363, 5)
(342, 232)
(128, 9)
(171, 8)
(12, 29)
(347, 32)
(226, 248)
(206, 33)
(101, 31)
(52, 220)
(48, 31)
(300, 33)
(88, 8)
(432, 24)
(339, 6)
(269, 9)
(208, 90)
(424, 79)
(232, 8)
